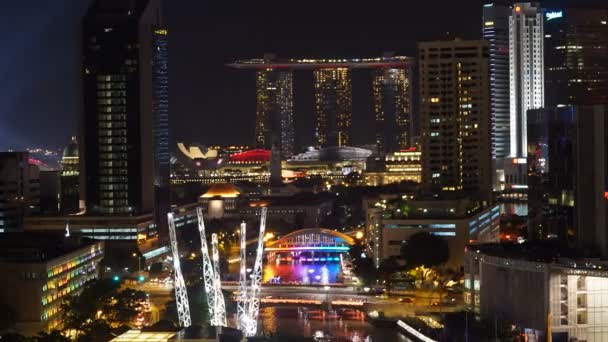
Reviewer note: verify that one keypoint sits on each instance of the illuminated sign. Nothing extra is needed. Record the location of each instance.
(519, 161)
(554, 15)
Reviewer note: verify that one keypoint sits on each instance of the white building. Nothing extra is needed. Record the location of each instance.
(391, 222)
(526, 70)
(538, 292)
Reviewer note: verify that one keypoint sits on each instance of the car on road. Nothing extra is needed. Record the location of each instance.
(406, 300)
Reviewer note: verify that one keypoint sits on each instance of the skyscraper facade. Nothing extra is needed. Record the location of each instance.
(455, 116)
(333, 107)
(568, 176)
(126, 135)
(526, 70)
(592, 179)
(274, 114)
(392, 108)
(495, 30)
(552, 172)
(576, 42)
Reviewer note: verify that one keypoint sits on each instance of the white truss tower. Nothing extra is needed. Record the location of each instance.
(181, 296)
(256, 278)
(219, 306)
(208, 276)
(241, 306)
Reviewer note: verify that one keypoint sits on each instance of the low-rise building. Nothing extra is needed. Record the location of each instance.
(39, 271)
(537, 289)
(389, 223)
(19, 190)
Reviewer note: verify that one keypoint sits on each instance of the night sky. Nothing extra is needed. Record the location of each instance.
(40, 101)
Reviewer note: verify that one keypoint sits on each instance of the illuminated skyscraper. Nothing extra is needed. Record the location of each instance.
(576, 42)
(455, 116)
(392, 108)
(496, 31)
(526, 70)
(274, 114)
(333, 107)
(333, 95)
(70, 171)
(126, 121)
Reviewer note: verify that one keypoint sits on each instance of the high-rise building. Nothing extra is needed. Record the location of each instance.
(551, 172)
(392, 108)
(274, 114)
(19, 190)
(126, 134)
(592, 179)
(333, 107)
(69, 202)
(455, 116)
(333, 100)
(526, 70)
(495, 30)
(568, 175)
(576, 49)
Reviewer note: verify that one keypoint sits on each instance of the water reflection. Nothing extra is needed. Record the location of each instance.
(343, 325)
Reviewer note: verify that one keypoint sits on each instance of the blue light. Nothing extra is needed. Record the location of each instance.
(322, 259)
(116, 278)
(141, 278)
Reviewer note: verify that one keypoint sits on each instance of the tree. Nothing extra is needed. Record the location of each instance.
(387, 268)
(156, 269)
(424, 249)
(363, 267)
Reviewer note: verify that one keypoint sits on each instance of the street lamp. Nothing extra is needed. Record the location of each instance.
(138, 262)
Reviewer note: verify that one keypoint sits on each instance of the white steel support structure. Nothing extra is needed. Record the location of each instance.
(241, 308)
(256, 278)
(181, 295)
(209, 277)
(248, 306)
(219, 306)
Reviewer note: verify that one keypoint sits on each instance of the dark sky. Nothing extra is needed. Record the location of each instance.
(39, 62)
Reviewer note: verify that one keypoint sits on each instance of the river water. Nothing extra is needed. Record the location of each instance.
(344, 326)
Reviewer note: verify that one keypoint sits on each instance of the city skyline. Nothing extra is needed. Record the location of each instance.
(385, 172)
(204, 91)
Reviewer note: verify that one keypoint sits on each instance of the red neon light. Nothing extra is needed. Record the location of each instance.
(411, 149)
(251, 156)
(606, 195)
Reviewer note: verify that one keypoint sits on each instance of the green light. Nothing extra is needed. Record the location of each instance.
(141, 278)
(116, 278)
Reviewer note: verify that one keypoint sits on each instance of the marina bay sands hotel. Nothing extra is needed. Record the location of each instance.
(390, 88)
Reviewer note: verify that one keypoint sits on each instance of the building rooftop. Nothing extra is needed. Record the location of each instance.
(224, 190)
(543, 252)
(71, 150)
(38, 247)
(299, 199)
(323, 63)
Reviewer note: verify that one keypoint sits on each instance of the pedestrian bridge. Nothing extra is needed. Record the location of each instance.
(311, 239)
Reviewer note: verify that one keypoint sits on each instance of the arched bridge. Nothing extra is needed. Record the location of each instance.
(312, 239)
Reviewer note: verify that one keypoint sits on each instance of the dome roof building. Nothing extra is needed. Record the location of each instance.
(71, 150)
